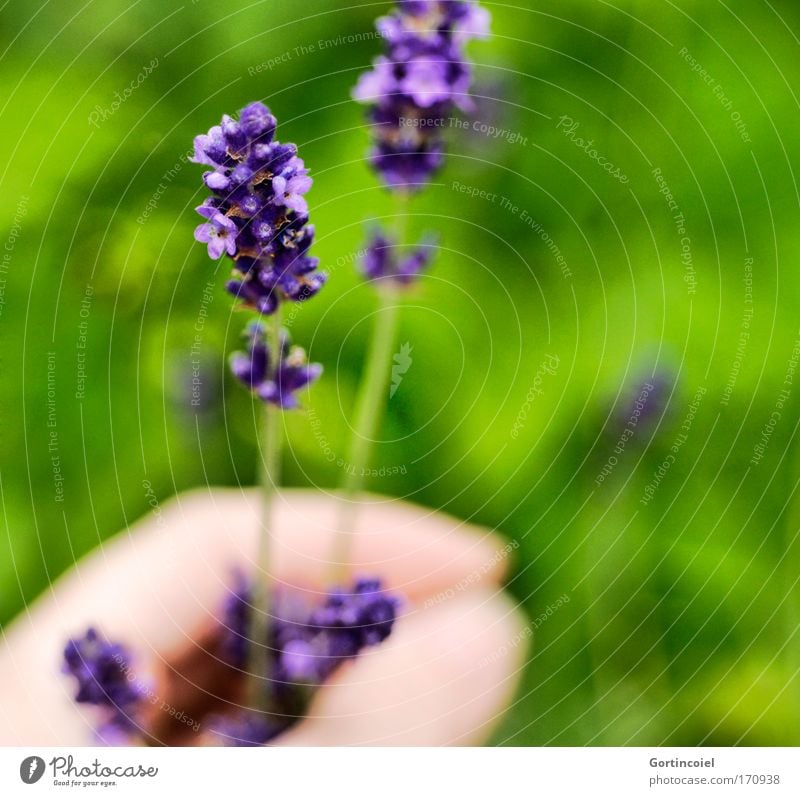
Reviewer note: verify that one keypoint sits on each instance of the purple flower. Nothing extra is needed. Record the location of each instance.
(465, 20)
(257, 213)
(210, 149)
(104, 676)
(101, 670)
(416, 86)
(307, 644)
(273, 382)
(219, 233)
(408, 149)
(365, 614)
(311, 647)
(291, 184)
(310, 643)
(382, 261)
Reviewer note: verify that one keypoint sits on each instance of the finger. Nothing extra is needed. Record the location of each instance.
(443, 677)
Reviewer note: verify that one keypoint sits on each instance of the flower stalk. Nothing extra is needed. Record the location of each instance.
(370, 404)
(258, 632)
(257, 215)
(410, 91)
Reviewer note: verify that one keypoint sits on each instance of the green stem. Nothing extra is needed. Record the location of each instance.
(369, 408)
(401, 225)
(260, 614)
(370, 404)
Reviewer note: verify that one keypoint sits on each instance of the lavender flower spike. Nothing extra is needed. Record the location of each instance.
(274, 382)
(257, 212)
(417, 85)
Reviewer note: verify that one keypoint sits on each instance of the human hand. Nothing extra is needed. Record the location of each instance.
(443, 677)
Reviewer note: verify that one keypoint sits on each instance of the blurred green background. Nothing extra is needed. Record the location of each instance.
(681, 625)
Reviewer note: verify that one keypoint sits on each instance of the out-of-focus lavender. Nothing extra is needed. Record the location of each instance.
(310, 642)
(103, 674)
(414, 88)
(382, 260)
(274, 382)
(307, 643)
(647, 402)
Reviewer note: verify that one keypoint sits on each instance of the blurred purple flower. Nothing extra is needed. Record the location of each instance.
(102, 671)
(310, 643)
(647, 402)
(417, 84)
(273, 382)
(381, 260)
(307, 645)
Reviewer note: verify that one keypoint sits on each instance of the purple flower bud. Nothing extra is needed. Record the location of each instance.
(258, 123)
(235, 136)
(241, 174)
(249, 205)
(216, 181)
(210, 149)
(378, 260)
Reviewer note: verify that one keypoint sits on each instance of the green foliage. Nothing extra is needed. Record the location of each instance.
(678, 627)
